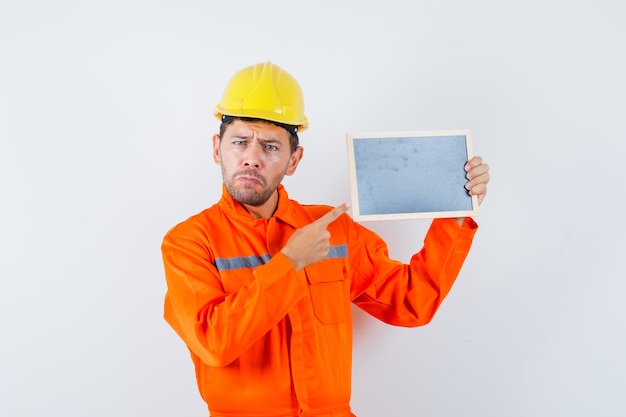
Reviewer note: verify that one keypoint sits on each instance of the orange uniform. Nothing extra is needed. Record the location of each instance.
(269, 341)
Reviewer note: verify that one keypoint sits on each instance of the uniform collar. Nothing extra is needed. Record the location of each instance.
(284, 212)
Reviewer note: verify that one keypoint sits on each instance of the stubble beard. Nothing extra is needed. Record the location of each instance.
(246, 193)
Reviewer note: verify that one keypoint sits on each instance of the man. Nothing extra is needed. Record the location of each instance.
(260, 286)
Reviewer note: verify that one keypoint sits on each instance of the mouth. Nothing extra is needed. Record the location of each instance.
(249, 178)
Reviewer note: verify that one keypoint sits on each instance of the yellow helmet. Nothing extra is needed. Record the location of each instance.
(264, 91)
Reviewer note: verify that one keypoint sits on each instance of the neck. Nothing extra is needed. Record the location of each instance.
(265, 210)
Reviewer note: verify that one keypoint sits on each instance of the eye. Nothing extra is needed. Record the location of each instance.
(271, 147)
(239, 142)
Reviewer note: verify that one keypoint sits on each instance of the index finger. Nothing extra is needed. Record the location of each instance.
(334, 214)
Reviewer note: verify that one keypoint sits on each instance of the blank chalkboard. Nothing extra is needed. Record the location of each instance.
(407, 175)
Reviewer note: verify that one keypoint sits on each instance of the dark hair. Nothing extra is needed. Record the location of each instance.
(294, 141)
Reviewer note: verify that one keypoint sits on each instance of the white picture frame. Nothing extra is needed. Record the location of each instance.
(409, 175)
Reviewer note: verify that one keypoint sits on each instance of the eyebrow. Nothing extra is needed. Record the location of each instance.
(262, 140)
(270, 140)
(240, 135)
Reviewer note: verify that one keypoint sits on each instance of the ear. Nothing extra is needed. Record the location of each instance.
(216, 149)
(294, 160)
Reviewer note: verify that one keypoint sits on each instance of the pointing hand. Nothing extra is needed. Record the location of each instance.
(310, 244)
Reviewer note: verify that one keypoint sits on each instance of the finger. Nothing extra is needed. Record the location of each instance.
(334, 214)
(481, 180)
(481, 197)
(480, 192)
(480, 170)
(479, 174)
(473, 163)
(478, 189)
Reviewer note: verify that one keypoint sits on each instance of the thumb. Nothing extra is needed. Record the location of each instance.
(334, 214)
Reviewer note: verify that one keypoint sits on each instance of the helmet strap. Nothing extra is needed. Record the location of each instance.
(293, 129)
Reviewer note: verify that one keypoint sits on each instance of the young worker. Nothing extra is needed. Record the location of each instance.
(259, 287)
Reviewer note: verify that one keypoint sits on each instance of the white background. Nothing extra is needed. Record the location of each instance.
(105, 127)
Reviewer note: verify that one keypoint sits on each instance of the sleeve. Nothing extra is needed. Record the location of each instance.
(408, 295)
(218, 326)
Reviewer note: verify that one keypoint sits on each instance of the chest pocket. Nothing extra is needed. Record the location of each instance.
(330, 291)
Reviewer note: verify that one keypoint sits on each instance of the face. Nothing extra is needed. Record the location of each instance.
(255, 157)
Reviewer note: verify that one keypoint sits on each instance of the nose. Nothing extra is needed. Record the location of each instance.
(252, 156)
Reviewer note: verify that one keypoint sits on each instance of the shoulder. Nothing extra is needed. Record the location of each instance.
(194, 225)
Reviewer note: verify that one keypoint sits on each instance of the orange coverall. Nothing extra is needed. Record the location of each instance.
(269, 341)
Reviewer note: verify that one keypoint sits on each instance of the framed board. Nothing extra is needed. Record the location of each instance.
(410, 175)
